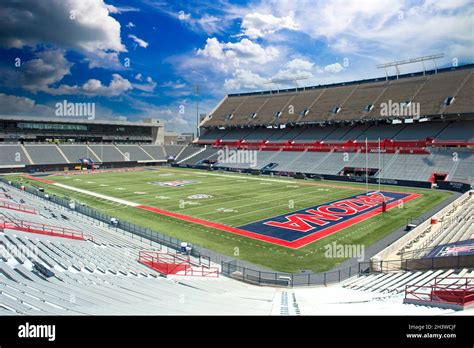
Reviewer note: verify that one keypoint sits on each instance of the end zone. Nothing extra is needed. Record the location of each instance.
(305, 226)
(292, 230)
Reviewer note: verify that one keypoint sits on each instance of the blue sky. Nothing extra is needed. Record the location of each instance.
(137, 59)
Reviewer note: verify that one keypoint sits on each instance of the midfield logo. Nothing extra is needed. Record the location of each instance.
(176, 183)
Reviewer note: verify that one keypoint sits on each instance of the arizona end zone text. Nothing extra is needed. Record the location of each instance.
(305, 226)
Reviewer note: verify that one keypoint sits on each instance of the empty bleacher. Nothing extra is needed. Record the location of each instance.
(188, 151)
(428, 90)
(196, 158)
(108, 153)
(75, 152)
(45, 154)
(103, 277)
(135, 153)
(12, 155)
(173, 150)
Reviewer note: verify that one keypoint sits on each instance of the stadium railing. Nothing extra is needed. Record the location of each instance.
(142, 233)
(460, 292)
(445, 262)
(253, 276)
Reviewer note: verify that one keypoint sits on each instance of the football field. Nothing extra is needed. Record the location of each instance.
(281, 223)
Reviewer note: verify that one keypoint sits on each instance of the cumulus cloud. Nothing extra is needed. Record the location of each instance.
(47, 68)
(94, 87)
(130, 25)
(383, 27)
(245, 51)
(244, 79)
(85, 26)
(333, 68)
(14, 105)
(256, 25)
(299, 64)
(138, 41)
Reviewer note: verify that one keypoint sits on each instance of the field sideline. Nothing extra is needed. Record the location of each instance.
(235, 200)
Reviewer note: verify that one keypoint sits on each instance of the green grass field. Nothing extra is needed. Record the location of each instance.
(234, 200)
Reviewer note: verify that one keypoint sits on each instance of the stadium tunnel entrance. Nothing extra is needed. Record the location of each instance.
(354, 171)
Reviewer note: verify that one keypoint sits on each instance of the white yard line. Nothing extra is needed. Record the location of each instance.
(98, 195)
(260, 210)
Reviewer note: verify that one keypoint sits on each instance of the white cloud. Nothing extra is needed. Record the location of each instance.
(94, 87)
(138, 77)
(36, 75)
(14, 105)
(376, 29)
(243, 52)
(149, 86)
(130, 25)
(299, 64)
(209, 24)
(179, 116)
(333, 68)
(173, 85)
(85, 26)
(244, 79)
(138, 41)
(256, 25)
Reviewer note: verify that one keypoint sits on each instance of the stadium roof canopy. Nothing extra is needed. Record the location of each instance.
(81, 120)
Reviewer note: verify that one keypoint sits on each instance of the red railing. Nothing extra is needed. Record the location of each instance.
(459, 292)
(175, 264)
(163, 262)
(387, 145)
(39, 228)
(19, 207)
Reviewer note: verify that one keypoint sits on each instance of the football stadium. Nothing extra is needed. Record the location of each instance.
(349, 197)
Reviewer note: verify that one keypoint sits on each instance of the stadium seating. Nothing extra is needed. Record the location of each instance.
(157, 152)
(461, 130)
(173, 150)
(188, 152)
(394, 282)
(103, 277)
(419, 167)
(345, 102)
(135, 153)
(77, 151)
(456, 225)
(108, 153)
(45, 154)
(197, 157)
(12, 155)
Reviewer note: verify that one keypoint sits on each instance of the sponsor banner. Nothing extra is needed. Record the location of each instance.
(307, 225)
(453, 186)
(462, 248)
(175, 183)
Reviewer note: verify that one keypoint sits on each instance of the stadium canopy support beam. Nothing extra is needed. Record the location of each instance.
(397, 63)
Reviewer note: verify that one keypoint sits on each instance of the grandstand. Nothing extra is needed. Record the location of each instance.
(44, 274)
(331, 124)
(60, 260)
(317, 104)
